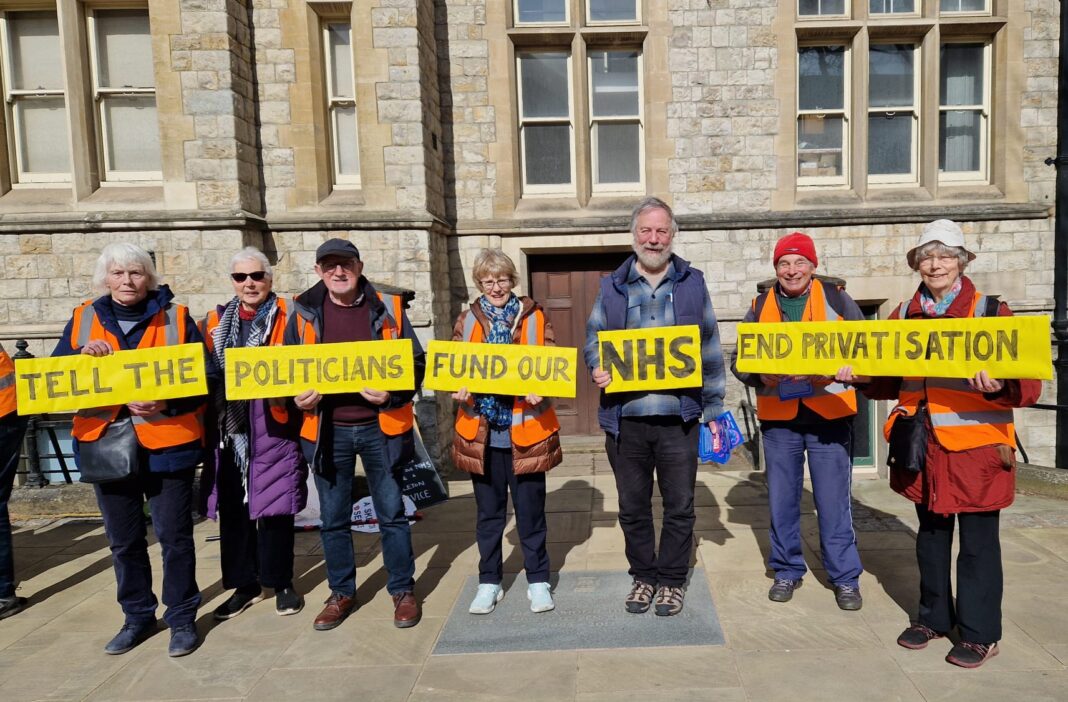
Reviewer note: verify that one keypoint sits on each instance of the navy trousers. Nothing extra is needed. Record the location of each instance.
(828, 446)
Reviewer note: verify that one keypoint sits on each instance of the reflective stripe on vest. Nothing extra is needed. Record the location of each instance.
(392, 422)
(157, 431)
(831, 401)
(7, 384)
(531, 424)
(962, 418)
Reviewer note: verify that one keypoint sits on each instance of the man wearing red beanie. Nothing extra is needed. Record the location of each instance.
(806, 414)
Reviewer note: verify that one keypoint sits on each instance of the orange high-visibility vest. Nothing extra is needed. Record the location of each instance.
(531, 424)
(211, 321)
(7, 384)
(831, 401)
(392, 422)
(158, 431)
(962, 418)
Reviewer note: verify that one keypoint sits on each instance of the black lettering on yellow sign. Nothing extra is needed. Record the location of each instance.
(632, 359)
(313, 371)
(942, 345)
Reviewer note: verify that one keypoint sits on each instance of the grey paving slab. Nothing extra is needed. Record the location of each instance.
(815, 676)
(589, 614)
(549, 676)
(381, 684)
(658, 670)
(987, 685)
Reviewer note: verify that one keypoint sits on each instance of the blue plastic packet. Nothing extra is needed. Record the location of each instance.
(729, 432)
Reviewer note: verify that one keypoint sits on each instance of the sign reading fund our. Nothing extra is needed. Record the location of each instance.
(1005, 347)
(286, 371)
(501, 369)
(69, 383)
(657, 358)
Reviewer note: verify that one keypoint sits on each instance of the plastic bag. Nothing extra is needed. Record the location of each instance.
(731, 437)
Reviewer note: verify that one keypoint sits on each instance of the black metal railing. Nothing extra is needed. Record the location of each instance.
(36, 475)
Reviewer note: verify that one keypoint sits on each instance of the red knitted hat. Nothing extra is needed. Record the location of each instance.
(795, 243)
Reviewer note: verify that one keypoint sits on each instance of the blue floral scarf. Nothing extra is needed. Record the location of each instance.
(937, 309)
(497, 409)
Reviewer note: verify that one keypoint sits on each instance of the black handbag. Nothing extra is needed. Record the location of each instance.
(908, 441)
(114, 456)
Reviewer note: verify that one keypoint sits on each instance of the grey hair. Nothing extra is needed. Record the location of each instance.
(652, 203)
(493, 262)
(251, 253)
(937, 248)
(124, 254)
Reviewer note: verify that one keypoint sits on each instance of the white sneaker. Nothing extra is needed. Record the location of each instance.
(486, 598)
(541, 599)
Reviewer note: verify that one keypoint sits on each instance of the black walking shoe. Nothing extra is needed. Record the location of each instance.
(971, 655)
(848, 597)
(782, 590)
(10, 606)
(238, 603)
(288, 601)
(917, 636)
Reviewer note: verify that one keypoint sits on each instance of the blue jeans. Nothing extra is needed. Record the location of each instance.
(11, 430)
(335, 504)
(830, 466)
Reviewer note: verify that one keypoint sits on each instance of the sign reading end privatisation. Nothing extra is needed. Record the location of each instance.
(69, 383)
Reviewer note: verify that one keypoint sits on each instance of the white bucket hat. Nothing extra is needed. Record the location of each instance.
(944, 231)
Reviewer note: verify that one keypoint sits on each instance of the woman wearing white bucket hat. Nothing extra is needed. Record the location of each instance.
(968, 476)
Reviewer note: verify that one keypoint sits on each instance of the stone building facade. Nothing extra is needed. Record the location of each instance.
(426, 130)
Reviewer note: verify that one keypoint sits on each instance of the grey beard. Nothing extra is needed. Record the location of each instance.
(653, 262)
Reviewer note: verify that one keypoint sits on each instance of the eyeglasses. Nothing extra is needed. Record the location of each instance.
(255, 275)
(944, 259)
(501, 283)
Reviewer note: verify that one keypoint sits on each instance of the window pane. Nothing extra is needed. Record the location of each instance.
(819, 145)
(821, 7)
(35, 54)
(124, 49)
(548, 154)
(544, 84)
(821, 74)
(890, 143)
(963, 5)
(42, 135)
(962, 74)
(958, 145)
(877, 7)
(617, 153)
(613, 10)
(614, 75)
(891, 73)
(542, 11)
(133, 133)
(340, 60)
(348, 155)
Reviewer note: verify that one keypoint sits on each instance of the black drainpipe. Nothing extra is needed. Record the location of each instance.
(1060, 246)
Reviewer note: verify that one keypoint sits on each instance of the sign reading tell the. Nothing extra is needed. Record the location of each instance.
(657, 358)
(501, 369)
(287, 371)
(69, 383)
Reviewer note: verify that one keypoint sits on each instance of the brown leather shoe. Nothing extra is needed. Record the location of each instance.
(406, 610)
(337, 608)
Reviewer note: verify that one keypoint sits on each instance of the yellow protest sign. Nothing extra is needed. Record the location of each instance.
(657, 358)
(501, 369)
(1005, 347)
(287, 371)
(68, 383)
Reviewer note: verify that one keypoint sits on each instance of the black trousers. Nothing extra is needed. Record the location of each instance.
(667, 447)
(253, 551)
(491, 503)
(977, 613)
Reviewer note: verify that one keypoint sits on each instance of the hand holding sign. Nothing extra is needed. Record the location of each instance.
(375, 397)
(982, 382)
(601, 378)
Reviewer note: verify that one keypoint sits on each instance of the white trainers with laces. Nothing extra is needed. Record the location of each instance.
(541, 599)
(486, 598)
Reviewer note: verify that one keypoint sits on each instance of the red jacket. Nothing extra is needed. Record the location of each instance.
(975, 480)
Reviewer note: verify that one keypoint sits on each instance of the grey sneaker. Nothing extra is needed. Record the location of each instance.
(848, 597)
(782, 590)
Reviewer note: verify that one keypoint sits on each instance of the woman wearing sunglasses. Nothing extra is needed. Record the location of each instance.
(255, 478)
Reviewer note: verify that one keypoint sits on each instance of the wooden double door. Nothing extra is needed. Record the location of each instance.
(566, 285)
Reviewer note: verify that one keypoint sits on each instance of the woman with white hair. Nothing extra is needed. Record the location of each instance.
(967, 475)
(256, 476)
(137, 312)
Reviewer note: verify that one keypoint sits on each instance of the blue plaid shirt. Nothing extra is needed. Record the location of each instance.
(647, 307)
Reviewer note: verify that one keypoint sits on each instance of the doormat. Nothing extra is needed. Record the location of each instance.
(589, 614)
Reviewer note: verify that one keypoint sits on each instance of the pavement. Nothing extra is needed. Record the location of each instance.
(807, 649)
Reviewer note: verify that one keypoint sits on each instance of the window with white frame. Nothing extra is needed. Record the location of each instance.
(341, 103)
(822, 114)
(541, 11)
(892, 7)
(615, 118)
(124, 90)
(963, 6)
(545, 121)
(893, 114)
(807, 8)
(34, 97)
(964, 110)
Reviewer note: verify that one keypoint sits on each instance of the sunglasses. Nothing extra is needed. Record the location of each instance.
(255, 275)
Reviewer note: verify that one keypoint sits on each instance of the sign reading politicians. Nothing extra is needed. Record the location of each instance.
(501, 369)
(69, 383)
(1005, 347)
(287, 371)
(656, 358)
